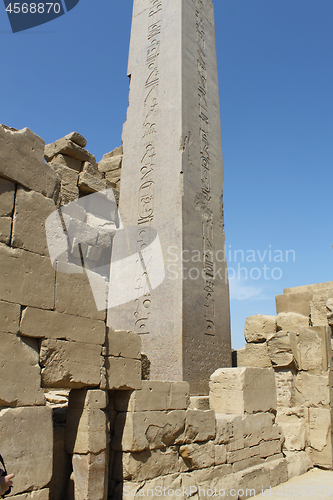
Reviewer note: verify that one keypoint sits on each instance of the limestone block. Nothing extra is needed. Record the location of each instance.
(220, 454)
(59, 161)
(285, 387)
(110, 163)
(298, 302)
(154, 396)
(21, 160)
(256, 427)
(298, 463)
(90, 474)
(138, 431)
(113, 176)
(247, 463)
(88, 399)
(20, 372)
(145, 464)
(320, 436)
(311, 348)
(197, 456)
(123, 344)
(123, 373)
(312, 390)
(199, 481)
(257, 327)
(31, 211)
(293, 423)
(255, 355)
(279, 349)
(268, 448)
(243, 454)
(70, 364)
(290, 322)
(67, 147)
(43, 494)
(229, 428)
(53, 325)
(242, 390)
(199, 403)
(74, 296)
(9, 317)
(7, 197)
(77, 138)
(86, 430)
(252, 480)
(26, 436)
(69, 190)
(133, 490)
(329, 311)
(5, 229)
(62, 465)
(278, 471)
(91, 183)
(318, 306)
(28, 278)
(200, 426)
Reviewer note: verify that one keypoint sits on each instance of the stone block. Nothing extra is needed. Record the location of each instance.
(256, 427)
(198, 482)
(113, 176)
(255, 355)
(110, 163)
(298, 463)
(293, 424)
(43, 494)
(247, 463)
(77, 138)
(62, 465)
(220, 454)
(59, 161)
(91, 183)
(90, 473)
(123, 344)
(21, 160)
(154, 396)
(257, 327)
(242, 390)
(123, 373)
(74, 296)
(297, 302)
(145, 464)
(290, 322)
(199, 403)
(139, 431)
(54, 325)
(67, 147)
(86, 430)
(71, 365)
(88, 399)
(20, 372)
(278, 471)
(320, 436)
(5, 229)
(31, 211)
(69, 190)
(197, 456)
(229, 428)
(27, 444)
(200, 426)
(279, 349)
(312, 390)
(7, 197)
(243, 454)
(9, 317)
(268, 448)
(285, 387)
(311, 348)
(252, 480)
(318, 306)
(151, 488)
(28, 278)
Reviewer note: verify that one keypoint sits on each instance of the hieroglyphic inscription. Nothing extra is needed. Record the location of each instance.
(205, 167)
(143, 303)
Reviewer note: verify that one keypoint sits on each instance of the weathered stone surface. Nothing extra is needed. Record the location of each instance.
(28, 278)
(70, 364)
(53, 325)
(7, 197)
(90, 474)
(255, 355)
(74, 296)
(59, 161)
(26, 442)
(285, 388)
(278, 471)
(123, 344)
(88, 399)
(69, 190)
(20, 372)
(9, 317)
(67, 147)
(298, 463)
(320, 438)
(329, 311)
(197, 456)
(62, 465)
(43, 494)
(219, 477)
(312, 390)
(257, 327)
(132, 490)
(256, 427)
(113, 176)
(268, 448)
(293, 423)
(242, 390)
(139, 431)
(123, 373)
(318, 306)
(111, 161)
(77, 138)
(5, 229)
(31, 211)
(229, 428)
(91, 183)
(154, 396)
(253, 478)
(311, 348)
(199, 403)
(21, 160)
(296, 302)
(200, 426)
(279, 349)
(290, 322)
(86, 430)
(145, 464)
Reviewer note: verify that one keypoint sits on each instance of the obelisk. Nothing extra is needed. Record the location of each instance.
(172, 185)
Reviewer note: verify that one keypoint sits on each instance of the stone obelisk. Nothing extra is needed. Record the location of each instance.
(171, 183)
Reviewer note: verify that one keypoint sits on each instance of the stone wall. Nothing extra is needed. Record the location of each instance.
(297, 344)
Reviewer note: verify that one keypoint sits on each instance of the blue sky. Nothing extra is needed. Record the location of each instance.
(276, 80)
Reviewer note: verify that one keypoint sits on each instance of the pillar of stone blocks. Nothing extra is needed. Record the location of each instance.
(171, 183)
